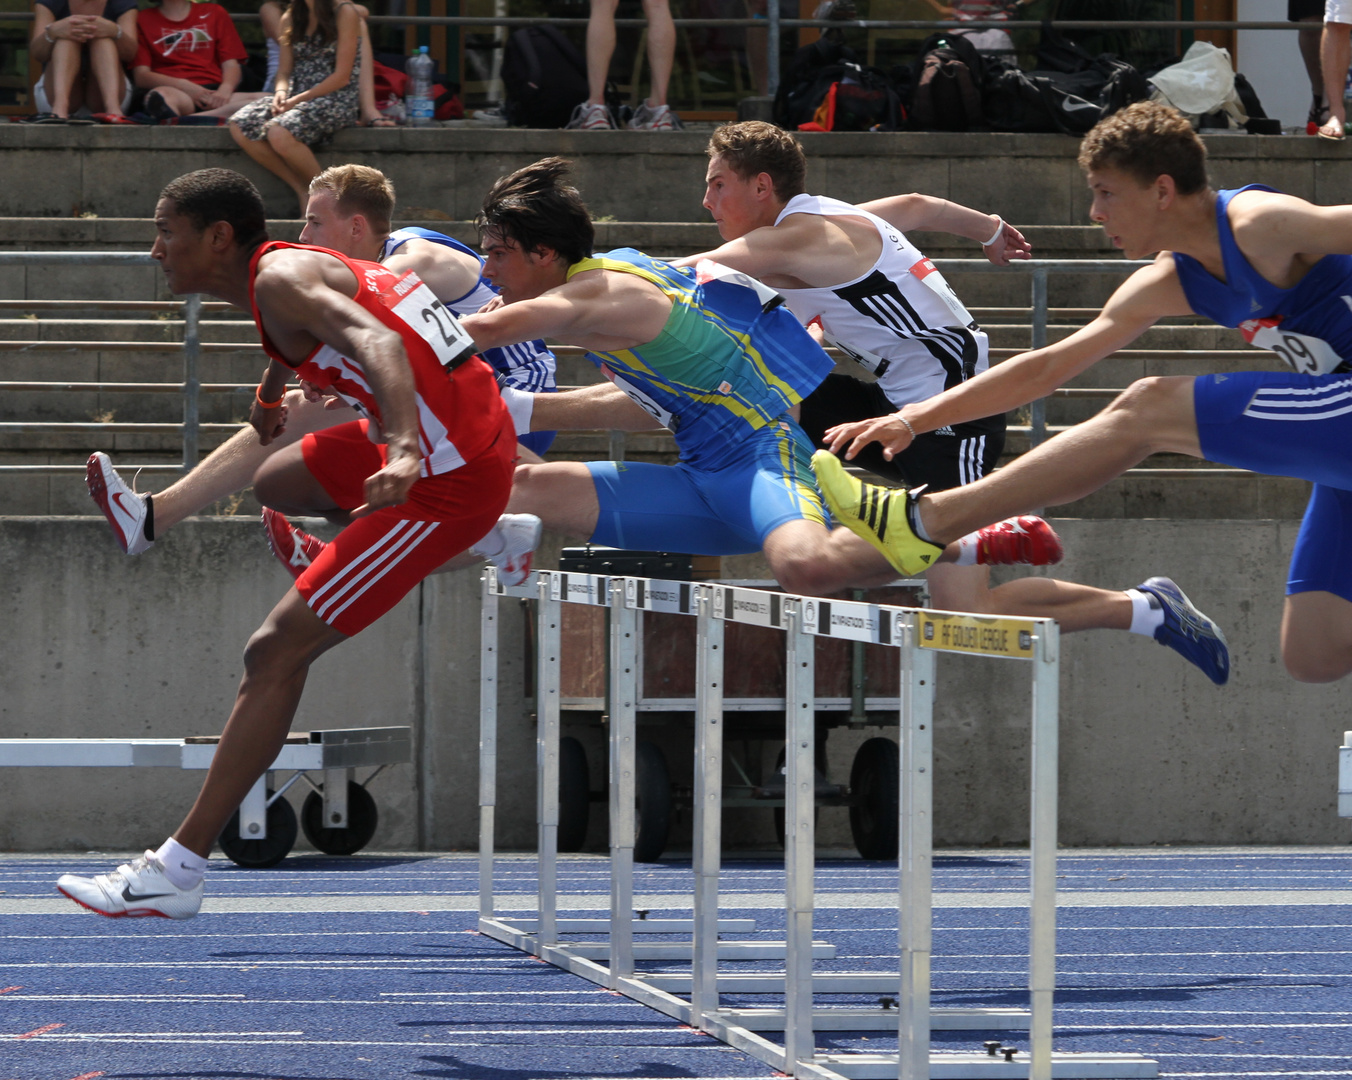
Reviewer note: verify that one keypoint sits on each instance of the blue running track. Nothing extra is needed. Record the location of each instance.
(1216, 962)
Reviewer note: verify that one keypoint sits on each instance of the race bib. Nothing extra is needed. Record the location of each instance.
(870, 361)
(642, 400)
(432, 321)
(928, 275)
(1303, 354)
(707, 270)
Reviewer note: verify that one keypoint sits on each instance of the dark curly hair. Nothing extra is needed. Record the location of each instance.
(210, 195)
(535, 208)
(1147, 140)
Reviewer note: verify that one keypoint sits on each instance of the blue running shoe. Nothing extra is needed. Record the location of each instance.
(1187, 631)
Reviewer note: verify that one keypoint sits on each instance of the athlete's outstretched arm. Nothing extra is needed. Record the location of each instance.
(1150, 294)
(915, 211)
(603, 407)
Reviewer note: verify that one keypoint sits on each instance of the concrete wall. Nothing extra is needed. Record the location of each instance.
(630, 176)
(97, 644)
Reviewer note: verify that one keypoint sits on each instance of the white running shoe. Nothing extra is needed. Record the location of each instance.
(133, 890)
(588, 117)
(126, 511)
(655, 118)
(521, 536)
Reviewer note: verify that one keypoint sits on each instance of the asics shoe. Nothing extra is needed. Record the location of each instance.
(1025, 540)
(878, 514)
(1187, 631)
(655, 118)
(295, 549)
(521, 536)
(127, 512)
(589, 117)
(133, 890)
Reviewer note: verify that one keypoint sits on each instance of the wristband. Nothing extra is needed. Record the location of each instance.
(906, 423)
(998, 230)
(258, 398)
(47, 33)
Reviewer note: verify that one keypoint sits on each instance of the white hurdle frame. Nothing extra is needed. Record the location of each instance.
(918, 634)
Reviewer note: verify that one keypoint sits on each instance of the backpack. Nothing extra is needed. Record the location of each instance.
(946, 85)
(853, 98)
(544, 77)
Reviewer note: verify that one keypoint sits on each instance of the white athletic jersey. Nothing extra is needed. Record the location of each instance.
(901, 320)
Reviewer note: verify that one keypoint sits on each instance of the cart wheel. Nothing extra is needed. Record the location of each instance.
(653, 787)
(272, 849)
(574, 795)
(361, 822)
(819, 764)
(875, 780)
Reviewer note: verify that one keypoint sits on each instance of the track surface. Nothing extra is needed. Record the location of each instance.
(1215, 962)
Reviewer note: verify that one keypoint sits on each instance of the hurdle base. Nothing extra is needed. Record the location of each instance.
(956, 1066)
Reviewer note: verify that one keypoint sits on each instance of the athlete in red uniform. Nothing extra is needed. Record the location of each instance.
(421, 478)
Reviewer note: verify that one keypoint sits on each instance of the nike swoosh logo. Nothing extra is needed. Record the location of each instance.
(132, 897)
(117, 498)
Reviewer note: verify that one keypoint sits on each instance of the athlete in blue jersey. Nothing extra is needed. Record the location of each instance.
(1273, 265)
(349, 212)
(707, 353)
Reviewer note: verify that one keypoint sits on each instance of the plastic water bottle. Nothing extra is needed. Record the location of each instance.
(418, 96)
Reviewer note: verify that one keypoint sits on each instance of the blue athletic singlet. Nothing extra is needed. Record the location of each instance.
(726, 364)
(721, 376)
(1295, 423)
(528, 366)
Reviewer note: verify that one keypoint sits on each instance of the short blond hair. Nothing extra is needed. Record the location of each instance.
(753, 147)
(359, 189)
(1147, 140)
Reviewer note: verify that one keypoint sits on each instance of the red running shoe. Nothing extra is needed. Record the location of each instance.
(1026, 540)
(296, 549)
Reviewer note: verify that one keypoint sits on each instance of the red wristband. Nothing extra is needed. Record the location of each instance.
(268, 404)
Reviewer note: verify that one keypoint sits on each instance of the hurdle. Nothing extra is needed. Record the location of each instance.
(694, 999)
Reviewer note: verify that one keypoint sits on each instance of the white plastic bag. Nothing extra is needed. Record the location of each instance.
(1202, 82)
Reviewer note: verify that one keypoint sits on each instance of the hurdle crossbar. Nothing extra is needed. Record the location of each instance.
(918, 634)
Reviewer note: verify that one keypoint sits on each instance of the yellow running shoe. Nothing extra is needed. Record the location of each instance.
(876, 513)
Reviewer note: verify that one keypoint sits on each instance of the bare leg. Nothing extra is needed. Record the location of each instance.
(661, 48)
(276, 663)
(560, 493)
(1149, 416)
(1317, 637)
(1335, 51)
(808, 559)
(299, 158)
(600, 48)
(231, 467)
(1309, 37)
(236, 102)
(1074, 606)
(262, 151)
(62, 70)
(108, 85)
(284, 483)
(757, 45)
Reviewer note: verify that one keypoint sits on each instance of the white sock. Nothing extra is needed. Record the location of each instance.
(1146, 614)
(184, 869)
(966, 550)
(490, 545)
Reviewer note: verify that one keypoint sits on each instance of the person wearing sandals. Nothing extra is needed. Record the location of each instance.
(1311, 13)
(317, 92)
(189, 61)
(82, 46)
(1335, 51)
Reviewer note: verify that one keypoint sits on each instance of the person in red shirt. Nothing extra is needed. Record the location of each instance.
(188, 58)
(426, 474)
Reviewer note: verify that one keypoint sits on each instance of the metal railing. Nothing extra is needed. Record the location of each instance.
(192, 348)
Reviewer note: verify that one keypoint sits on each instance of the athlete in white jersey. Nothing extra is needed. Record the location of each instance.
(881, 300)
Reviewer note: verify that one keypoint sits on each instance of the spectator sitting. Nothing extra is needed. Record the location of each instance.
(316, 94)
(188, 61)
(82, 46)
(653, 114)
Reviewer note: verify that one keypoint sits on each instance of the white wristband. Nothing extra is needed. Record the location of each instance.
(998, 230)
(521, 404)
(906, 423)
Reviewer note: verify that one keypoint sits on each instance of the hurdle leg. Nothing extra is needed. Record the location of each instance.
(488, 743)
(708, 823)
(1042, 842)
(800, 789)
(915, 839)
(624, 623)
(547, 764)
